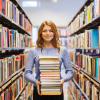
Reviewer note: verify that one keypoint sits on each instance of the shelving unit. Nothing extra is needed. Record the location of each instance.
(14, 19)
(91, 78)
(80, 89)
(86, 19)
(72, 94)
(10, 23)
(6, 83)
(20, 92)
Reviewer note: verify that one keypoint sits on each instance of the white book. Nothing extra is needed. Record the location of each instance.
(48, 56)
(49, 62)
(50, 89)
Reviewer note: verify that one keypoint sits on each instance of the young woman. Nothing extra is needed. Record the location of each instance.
(47, 44)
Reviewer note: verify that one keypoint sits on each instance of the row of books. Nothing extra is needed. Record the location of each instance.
(9, 9)
(85, 16)
(27, 92)
(13, 90)
(91, 64)
(90, 89)
(12, 38)
(85, 39)
(49, 75)
(75, 92)
(9, 65)
(63, 41)
(62, 32)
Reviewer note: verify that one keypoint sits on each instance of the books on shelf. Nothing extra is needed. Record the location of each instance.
(9, 65)
(62, 32)
(89, 88)
(12, 38)
(91, 64)
(10, 10)
(85, 39)
(14, 88)
(49, 75)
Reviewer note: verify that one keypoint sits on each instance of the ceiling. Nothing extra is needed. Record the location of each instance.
(61, 13)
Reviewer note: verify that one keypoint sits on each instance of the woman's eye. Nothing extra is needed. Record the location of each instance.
(51, 31)
(44, 31)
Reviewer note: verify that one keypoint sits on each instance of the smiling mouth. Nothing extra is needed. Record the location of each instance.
(47, 36)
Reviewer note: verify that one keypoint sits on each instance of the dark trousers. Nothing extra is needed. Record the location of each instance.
(46, 97)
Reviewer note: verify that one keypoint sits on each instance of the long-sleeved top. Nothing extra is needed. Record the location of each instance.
(32, 59)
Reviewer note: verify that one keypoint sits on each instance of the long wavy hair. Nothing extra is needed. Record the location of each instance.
(55, 40)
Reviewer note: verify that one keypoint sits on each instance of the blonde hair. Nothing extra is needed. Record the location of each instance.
(55, 40)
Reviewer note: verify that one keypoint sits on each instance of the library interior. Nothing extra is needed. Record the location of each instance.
(49, 50)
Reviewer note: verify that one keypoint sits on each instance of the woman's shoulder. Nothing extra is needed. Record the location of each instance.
(63, 49)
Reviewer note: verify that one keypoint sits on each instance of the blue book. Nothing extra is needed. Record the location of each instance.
(12, 38)
(94, 38)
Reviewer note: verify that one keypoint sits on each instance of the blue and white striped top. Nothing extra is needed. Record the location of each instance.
(33, 59)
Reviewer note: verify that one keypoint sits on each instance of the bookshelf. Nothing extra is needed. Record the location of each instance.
(85, 54)
(62, 30)
(72, 94)
(15, 37)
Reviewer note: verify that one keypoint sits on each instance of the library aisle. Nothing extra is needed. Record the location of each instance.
(78, 29)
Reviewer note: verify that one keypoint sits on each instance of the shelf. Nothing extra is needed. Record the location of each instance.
(80, 89)
(5, 83)
(21, 10)
(81, 9)
(91, 78)
(93, 48)
(11, 24)
(20, 92)
(93, 23)
(72, 93)
(63, 37)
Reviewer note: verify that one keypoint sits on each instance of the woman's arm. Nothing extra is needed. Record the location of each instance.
(68, 67)
(29, 67)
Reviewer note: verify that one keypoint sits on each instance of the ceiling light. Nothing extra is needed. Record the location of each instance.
(29, 3)
(55, 1)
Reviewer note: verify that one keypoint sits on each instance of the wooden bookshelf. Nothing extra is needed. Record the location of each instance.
(19, 7)
(91, 78)
(88, 25)
(21, 91)
(80, 10)
(4, 84)
(72, 94)
(10, 23)
(80, 89)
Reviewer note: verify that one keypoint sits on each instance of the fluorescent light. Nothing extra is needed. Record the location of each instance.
(29, 3)
(55, 1)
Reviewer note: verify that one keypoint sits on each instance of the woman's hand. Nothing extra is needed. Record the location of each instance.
(62, 81)
(38, 86)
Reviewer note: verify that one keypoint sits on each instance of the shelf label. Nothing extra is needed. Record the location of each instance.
(3, 51)
(97, 51)
(86, 50)
(91, 51)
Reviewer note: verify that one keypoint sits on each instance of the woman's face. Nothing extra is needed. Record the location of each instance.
(47, 34)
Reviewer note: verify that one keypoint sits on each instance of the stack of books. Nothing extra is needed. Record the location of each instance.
(50, 75)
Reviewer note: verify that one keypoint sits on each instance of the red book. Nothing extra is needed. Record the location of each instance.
(2, 95)
(0, 5)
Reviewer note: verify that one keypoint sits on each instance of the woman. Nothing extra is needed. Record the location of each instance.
(47, 44)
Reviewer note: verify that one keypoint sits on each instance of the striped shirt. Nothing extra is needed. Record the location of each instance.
(33, 59)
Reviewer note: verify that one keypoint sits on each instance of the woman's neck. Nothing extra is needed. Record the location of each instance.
(47, 45)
